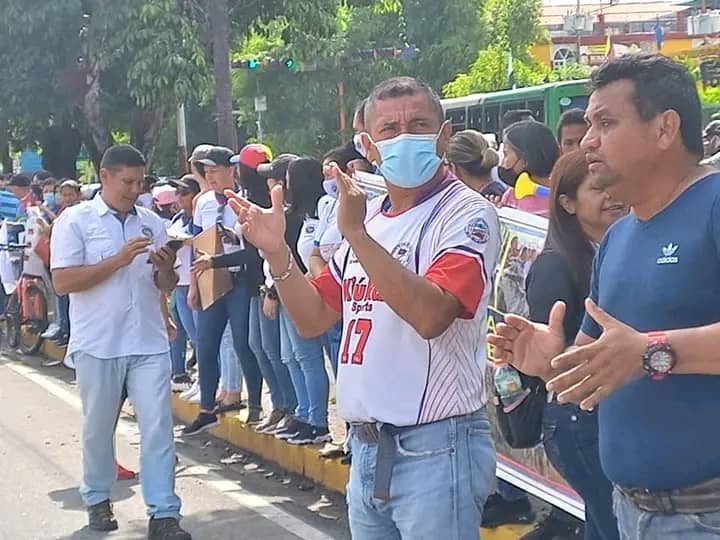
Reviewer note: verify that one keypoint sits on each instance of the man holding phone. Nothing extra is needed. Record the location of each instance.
(111, 257)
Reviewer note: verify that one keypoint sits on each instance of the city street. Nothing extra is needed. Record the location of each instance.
(40, 455)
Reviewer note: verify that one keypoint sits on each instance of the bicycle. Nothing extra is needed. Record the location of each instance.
(26, 315)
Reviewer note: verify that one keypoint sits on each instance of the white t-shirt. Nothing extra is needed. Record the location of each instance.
(387, 371)
(207, 213)
(184, 254)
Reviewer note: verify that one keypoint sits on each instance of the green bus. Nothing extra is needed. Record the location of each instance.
(484, 112)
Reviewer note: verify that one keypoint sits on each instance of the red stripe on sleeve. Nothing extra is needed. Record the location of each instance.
(462, 276)
(329, 289)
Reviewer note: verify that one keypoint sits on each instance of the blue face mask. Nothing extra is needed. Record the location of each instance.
(49, 199)
(409, 160)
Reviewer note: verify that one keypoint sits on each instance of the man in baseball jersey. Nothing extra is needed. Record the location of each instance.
(411, 282)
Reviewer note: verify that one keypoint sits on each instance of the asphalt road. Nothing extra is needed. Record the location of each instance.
(41, 467)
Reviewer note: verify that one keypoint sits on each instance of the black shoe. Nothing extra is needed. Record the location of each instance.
(62, 340)
(229, 407)
(254, 415)
(203, 421)
(322, 434)
(166, 529)
(101, 517)
(271, 422)
(290, 430)
(552, 528)
(498, 511)
(305, 435)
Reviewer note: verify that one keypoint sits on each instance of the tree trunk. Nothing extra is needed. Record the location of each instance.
(218, 14)
(95, 122)
(61, 146)
(5, 159)
(145, 130)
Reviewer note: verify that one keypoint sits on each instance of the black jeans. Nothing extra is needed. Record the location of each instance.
(570, 438)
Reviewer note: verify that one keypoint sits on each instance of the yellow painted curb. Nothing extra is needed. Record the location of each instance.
(303, 460)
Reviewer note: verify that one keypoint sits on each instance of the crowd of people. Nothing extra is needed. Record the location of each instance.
(389, 296)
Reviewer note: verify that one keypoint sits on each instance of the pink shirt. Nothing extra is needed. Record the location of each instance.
(533, 204)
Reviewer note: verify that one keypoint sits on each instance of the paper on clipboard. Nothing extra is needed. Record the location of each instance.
(215, 283)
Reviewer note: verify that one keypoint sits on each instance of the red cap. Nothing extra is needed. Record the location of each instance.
(253, 155)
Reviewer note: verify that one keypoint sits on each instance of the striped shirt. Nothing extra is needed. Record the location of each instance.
(9, 205)
(387, 371)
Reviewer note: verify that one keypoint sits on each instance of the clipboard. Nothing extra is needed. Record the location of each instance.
(215, 283)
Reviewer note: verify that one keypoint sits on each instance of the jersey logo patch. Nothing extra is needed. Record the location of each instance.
(669, 254)
(478, 231)
(401, 253)
(147, 232)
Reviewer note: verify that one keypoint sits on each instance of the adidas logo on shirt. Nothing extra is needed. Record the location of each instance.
(669, 254)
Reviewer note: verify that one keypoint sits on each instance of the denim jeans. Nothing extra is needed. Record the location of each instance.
(178, 346)
(62, 304)
(570, 438)
(187, 316)
(442, 474)
(265, 345)
(635, 524)
(101, 383)
(230, 370)
(306, 364)
(334, 337)
(235, 308)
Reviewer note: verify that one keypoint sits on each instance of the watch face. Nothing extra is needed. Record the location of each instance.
(661, 361)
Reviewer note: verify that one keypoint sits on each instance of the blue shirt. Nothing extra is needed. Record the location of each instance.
(9, 205)
(662, 274)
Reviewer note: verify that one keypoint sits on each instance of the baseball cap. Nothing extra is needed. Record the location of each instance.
(186, 183)
(19, 180)
(253, 155)
(164, 195)
(199, 152)
(278, 167)
(217, 156)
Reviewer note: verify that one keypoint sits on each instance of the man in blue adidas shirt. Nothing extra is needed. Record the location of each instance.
(649, 354)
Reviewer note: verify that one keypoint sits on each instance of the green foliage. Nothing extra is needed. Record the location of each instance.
(570, 72)
(514, 26)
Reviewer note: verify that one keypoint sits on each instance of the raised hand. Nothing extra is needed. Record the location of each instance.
(352, 202)
(529, 346)
(592, 372)
(262, 227)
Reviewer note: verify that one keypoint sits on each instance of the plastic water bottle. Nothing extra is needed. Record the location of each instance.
(508, 385)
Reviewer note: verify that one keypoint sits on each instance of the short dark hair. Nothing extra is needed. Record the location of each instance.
(342, 155)
(41, 175)
(122, 155)
(514, 116)
(52, 181)
(536, 144)
(399, 87)
(571, 117)
(19, 180)
(660, 84)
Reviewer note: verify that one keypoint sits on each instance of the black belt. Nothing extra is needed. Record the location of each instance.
(697, 499)
(384, 436)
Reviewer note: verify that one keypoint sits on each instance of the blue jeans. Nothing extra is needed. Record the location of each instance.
(442, 474)
(235, 308)
(570, 438)
(635, 524)
(334, 337)
(178, 346)
(62, 304)
(265, 345)
(306, 364)
(230, 369)
(187, 316)
(101, 383)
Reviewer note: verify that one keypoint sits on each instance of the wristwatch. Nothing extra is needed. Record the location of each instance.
(659, 357)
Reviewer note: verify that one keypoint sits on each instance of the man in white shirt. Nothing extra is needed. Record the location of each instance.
(411, 281)
(111, 257)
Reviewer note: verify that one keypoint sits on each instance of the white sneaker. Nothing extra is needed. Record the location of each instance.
(195, 398)
(68, 362)
(51, 331)
(194, 389)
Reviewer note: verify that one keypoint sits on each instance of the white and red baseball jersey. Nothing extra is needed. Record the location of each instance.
(387, 371)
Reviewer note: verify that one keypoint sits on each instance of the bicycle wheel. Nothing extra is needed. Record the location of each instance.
(37, 321)
(11, 321)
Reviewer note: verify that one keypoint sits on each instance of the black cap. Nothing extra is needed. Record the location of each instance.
(217, 156)
(278, 167)
(186, 183)
(19, 180)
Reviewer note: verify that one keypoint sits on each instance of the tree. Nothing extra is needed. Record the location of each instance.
(514, 25)
(219, 27)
